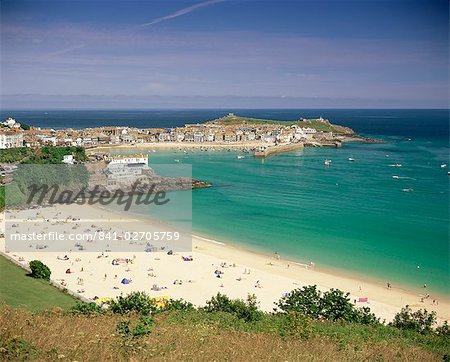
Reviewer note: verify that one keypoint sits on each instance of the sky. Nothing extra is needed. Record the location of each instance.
(224, 53)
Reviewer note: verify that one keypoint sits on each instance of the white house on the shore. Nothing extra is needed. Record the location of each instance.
(11, 123)
(10, 139)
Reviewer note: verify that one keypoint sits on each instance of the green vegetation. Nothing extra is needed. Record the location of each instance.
(24, 126)
(13, 155)
(55, 155)
(39, 270)
(19, 290)
(332, 305)
(44, 155)
(247, 311)
(133, 328)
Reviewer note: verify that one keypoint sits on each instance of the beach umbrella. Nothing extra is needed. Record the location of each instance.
(125, 281)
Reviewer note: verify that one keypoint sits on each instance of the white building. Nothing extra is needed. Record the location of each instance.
(10, 139)
(127, 167)
(68, 159)
(11, 123)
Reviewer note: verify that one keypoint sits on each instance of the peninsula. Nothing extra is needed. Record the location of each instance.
(262, 137)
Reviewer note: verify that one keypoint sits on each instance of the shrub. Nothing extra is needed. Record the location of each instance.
(306, 300)
(246, 310)
(39, 270)
(178, 304)
(443, 330)
(142, 328)
(87, 308)
(364, 316)
(138, 302)
(420, 321)
(298, 325)
(336, 305)
(332, 305)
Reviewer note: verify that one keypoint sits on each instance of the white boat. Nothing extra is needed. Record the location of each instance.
(443, 165)
(408, 190)
(396, 165)
(239, 157)
(351, 159)
(327, 162)
(176, 160)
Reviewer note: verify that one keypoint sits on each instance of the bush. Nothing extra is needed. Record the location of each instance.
(443, 330)
(246, 310)
(306, 300)
(142, 328)
(138, 302)
(421, 321)
(298, 325)
(332, 305)
(336, 305)
(88, 308)
(178, 304)
(39, 270)
(364, 316)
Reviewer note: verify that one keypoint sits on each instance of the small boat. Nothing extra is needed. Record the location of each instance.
(396, 165)
(443, 165)
(176, 160)
(239, 157)
(408, 190)
(327, 162)
(396, 177)
(351, 159)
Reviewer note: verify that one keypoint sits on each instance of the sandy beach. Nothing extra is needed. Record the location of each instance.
(242, 272)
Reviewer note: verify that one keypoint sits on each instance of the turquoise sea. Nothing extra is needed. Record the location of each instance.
(351, 216)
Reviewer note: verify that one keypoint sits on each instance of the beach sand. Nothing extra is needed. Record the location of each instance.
(244, 272)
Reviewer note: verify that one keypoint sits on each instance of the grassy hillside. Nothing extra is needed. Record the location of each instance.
(319, 125)
(20, 291)
(196, 335)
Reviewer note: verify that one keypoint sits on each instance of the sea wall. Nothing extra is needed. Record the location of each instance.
(272, 150)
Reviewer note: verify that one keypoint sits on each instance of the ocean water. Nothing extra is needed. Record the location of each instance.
(350, 216)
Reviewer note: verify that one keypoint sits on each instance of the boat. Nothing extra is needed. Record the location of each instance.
(239, 157)
(176, 160)
(351, 159)
(443, 165)
(408, 190)
(396, 165)
(327, 162)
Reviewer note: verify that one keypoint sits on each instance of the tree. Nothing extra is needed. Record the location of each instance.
(306, 300)
(39, 270)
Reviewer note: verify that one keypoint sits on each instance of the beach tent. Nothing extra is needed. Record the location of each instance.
(125, 281)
